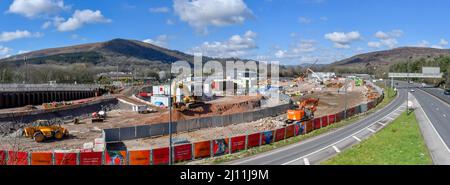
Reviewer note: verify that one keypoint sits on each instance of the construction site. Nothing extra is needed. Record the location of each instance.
(79, 125)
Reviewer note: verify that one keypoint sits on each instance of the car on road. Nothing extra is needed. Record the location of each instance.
(412, 90)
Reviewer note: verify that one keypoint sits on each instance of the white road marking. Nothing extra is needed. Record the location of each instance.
(336, 149)
(381, 123)
(306, 161)
(371, 130)
(357, 139)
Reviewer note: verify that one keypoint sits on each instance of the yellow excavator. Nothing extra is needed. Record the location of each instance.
(188, 102)
(42, 130)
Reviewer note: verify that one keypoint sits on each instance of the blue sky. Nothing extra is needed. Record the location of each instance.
(290, 31)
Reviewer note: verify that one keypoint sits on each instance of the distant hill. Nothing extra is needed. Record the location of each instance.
(389, 57)
(114, 52)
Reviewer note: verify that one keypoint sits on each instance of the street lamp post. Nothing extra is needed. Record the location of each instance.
(345, 97)
(170, 121)
(407, 87)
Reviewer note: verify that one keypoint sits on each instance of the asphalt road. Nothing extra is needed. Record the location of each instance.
(288, 154)
(436, 109)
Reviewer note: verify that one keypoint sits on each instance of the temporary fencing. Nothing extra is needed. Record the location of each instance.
(183, 152)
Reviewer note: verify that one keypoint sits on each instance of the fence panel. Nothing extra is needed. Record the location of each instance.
(65, 158)
(324, 121)
(280, 134)
(363, 107)
(202, 149)
(331, 119)
(267, 137)
(217, 121)
(182, 126)
(309, 126)
(91, 158)
(226, 119)
(139, 157)
(127, 133)
(160, 156)
(299, 128)
(237, 118)
(183, 152)
(2, 157)
(143, 131)
(237, 143)
(290, 131)
(317, 123)
(112, 134)
(116, 157)
(41, 158)
(17, 158)
(248, 116)
(157, 129)
(205, 122)
(253, 140)
(221, 146)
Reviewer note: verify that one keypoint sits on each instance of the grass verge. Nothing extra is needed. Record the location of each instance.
(292, 140)
(400, 143)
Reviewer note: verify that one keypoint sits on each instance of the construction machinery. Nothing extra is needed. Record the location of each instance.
(99, 116)
(304, 112)
(42, 130)
(188, 101)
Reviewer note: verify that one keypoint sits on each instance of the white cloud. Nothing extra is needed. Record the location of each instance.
(18, 34)
(304, 20)
(46, 24)
(324, 18)
(388, 39)
(202, 13)
(160, 10)
(374, 44)
(170, 22)
(300, 52)
(443, 42)
(423, 43)
(235, 46)
(343, 40)
(81, 17)
(34, 8)
(161, 41)
(5, 52)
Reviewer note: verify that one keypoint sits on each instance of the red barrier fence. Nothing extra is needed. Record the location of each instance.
(331, 119)
(238, 143)
(221, 146)
(309, 126)
(324, 121)
(41, 158)
(279, 134)
(116, 157)
(183, 152)
(2, 157)
(139, 157)
(66, 158)
(202, 149)
(253, 140)
(317, 123)
(160, 156)
(290, 131)
(91, 158)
